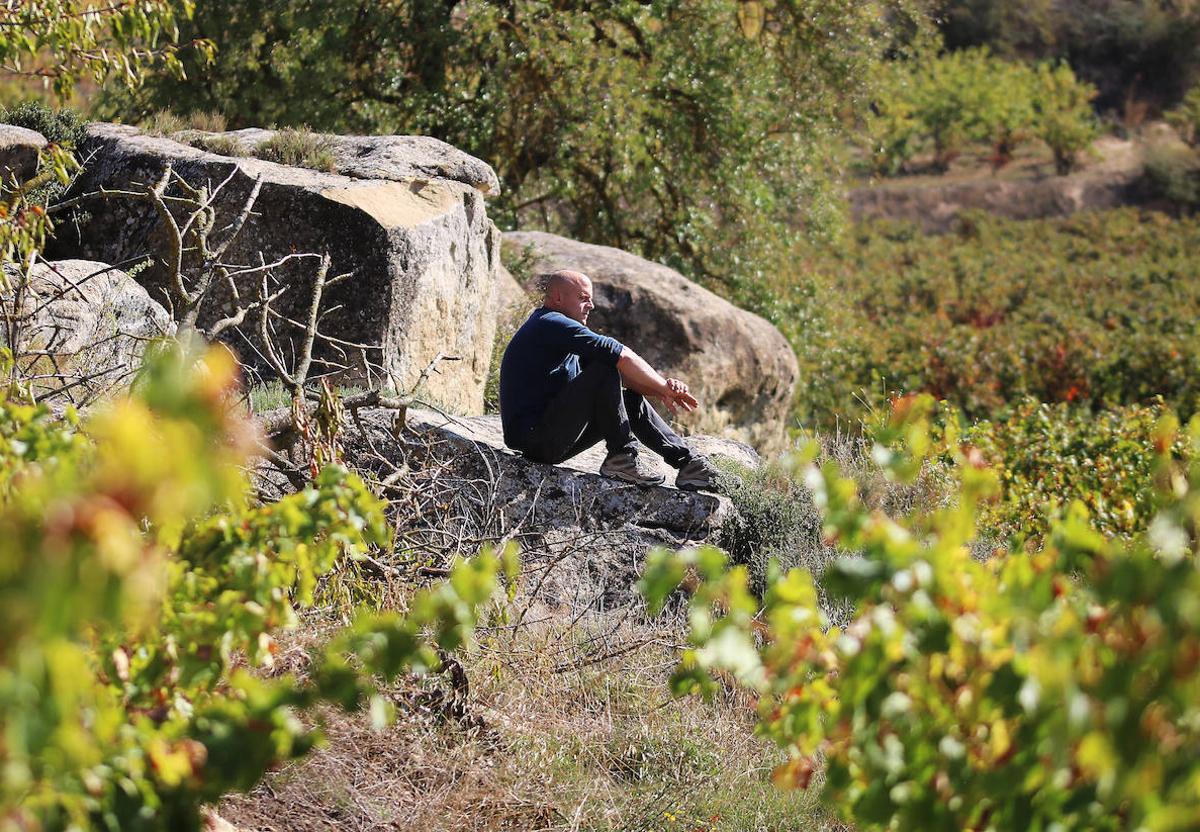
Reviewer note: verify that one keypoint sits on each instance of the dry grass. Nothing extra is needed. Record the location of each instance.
(167, 123)
(298, 147)
(570, 726)
(220, 144)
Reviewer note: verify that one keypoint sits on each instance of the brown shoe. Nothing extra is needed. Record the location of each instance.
(624, 466)
(698, 474)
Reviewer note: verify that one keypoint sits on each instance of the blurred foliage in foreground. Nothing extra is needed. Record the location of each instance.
(1100, 309)
(1054, 690)
(694, 132)
(138, 587)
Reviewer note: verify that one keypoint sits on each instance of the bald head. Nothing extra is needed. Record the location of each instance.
(568, 292)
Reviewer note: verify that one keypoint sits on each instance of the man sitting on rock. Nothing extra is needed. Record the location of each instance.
(561, 393)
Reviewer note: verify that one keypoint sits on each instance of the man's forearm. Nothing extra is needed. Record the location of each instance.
(639, 376)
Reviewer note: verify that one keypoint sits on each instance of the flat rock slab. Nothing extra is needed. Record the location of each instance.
(584, 537)
(396, 158)
(486, 431)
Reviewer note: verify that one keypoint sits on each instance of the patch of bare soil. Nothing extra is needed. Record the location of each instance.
(1109, 176)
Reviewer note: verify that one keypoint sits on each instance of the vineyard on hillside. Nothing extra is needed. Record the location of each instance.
(1099, 310)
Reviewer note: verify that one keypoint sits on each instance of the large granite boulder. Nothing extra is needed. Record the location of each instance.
(583, 537)
(19, 148)
(511, 297)
(394, 158)
(406, 218)
(740, 367)
(82, 326)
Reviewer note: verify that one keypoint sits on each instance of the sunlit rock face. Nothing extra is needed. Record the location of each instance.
(404, 216)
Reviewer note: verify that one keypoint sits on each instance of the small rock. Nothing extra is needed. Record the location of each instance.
(87, 320)
(19, 148)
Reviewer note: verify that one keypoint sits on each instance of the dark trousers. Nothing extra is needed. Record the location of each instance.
(593, 408)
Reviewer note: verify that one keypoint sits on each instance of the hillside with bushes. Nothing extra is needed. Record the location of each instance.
(265, 561)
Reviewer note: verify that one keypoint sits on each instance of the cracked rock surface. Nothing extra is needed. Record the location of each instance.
(415, 237)
(583, 537)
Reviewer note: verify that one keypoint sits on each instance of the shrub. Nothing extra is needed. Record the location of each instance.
(1009, 108)
(1051, 456)
(591, 115)
(138, 584)
(776, 526)
(950, 95)
(773, 521)
(64, 126)
(960, 98)
(299, 148)
(1054, 690)
(1064, 119)
(1186, 117)
(1128, 48)
(1098, 309)
(1173, 173)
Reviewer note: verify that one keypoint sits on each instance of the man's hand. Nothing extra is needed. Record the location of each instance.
(678, 396)
(639, 376)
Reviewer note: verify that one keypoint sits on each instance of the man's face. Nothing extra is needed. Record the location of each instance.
(574, 298)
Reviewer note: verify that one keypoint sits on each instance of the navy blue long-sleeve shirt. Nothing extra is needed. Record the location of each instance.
(547, 351)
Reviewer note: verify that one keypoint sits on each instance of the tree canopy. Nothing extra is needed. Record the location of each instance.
(1132, 50)
(62, 41)
(691, 132)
